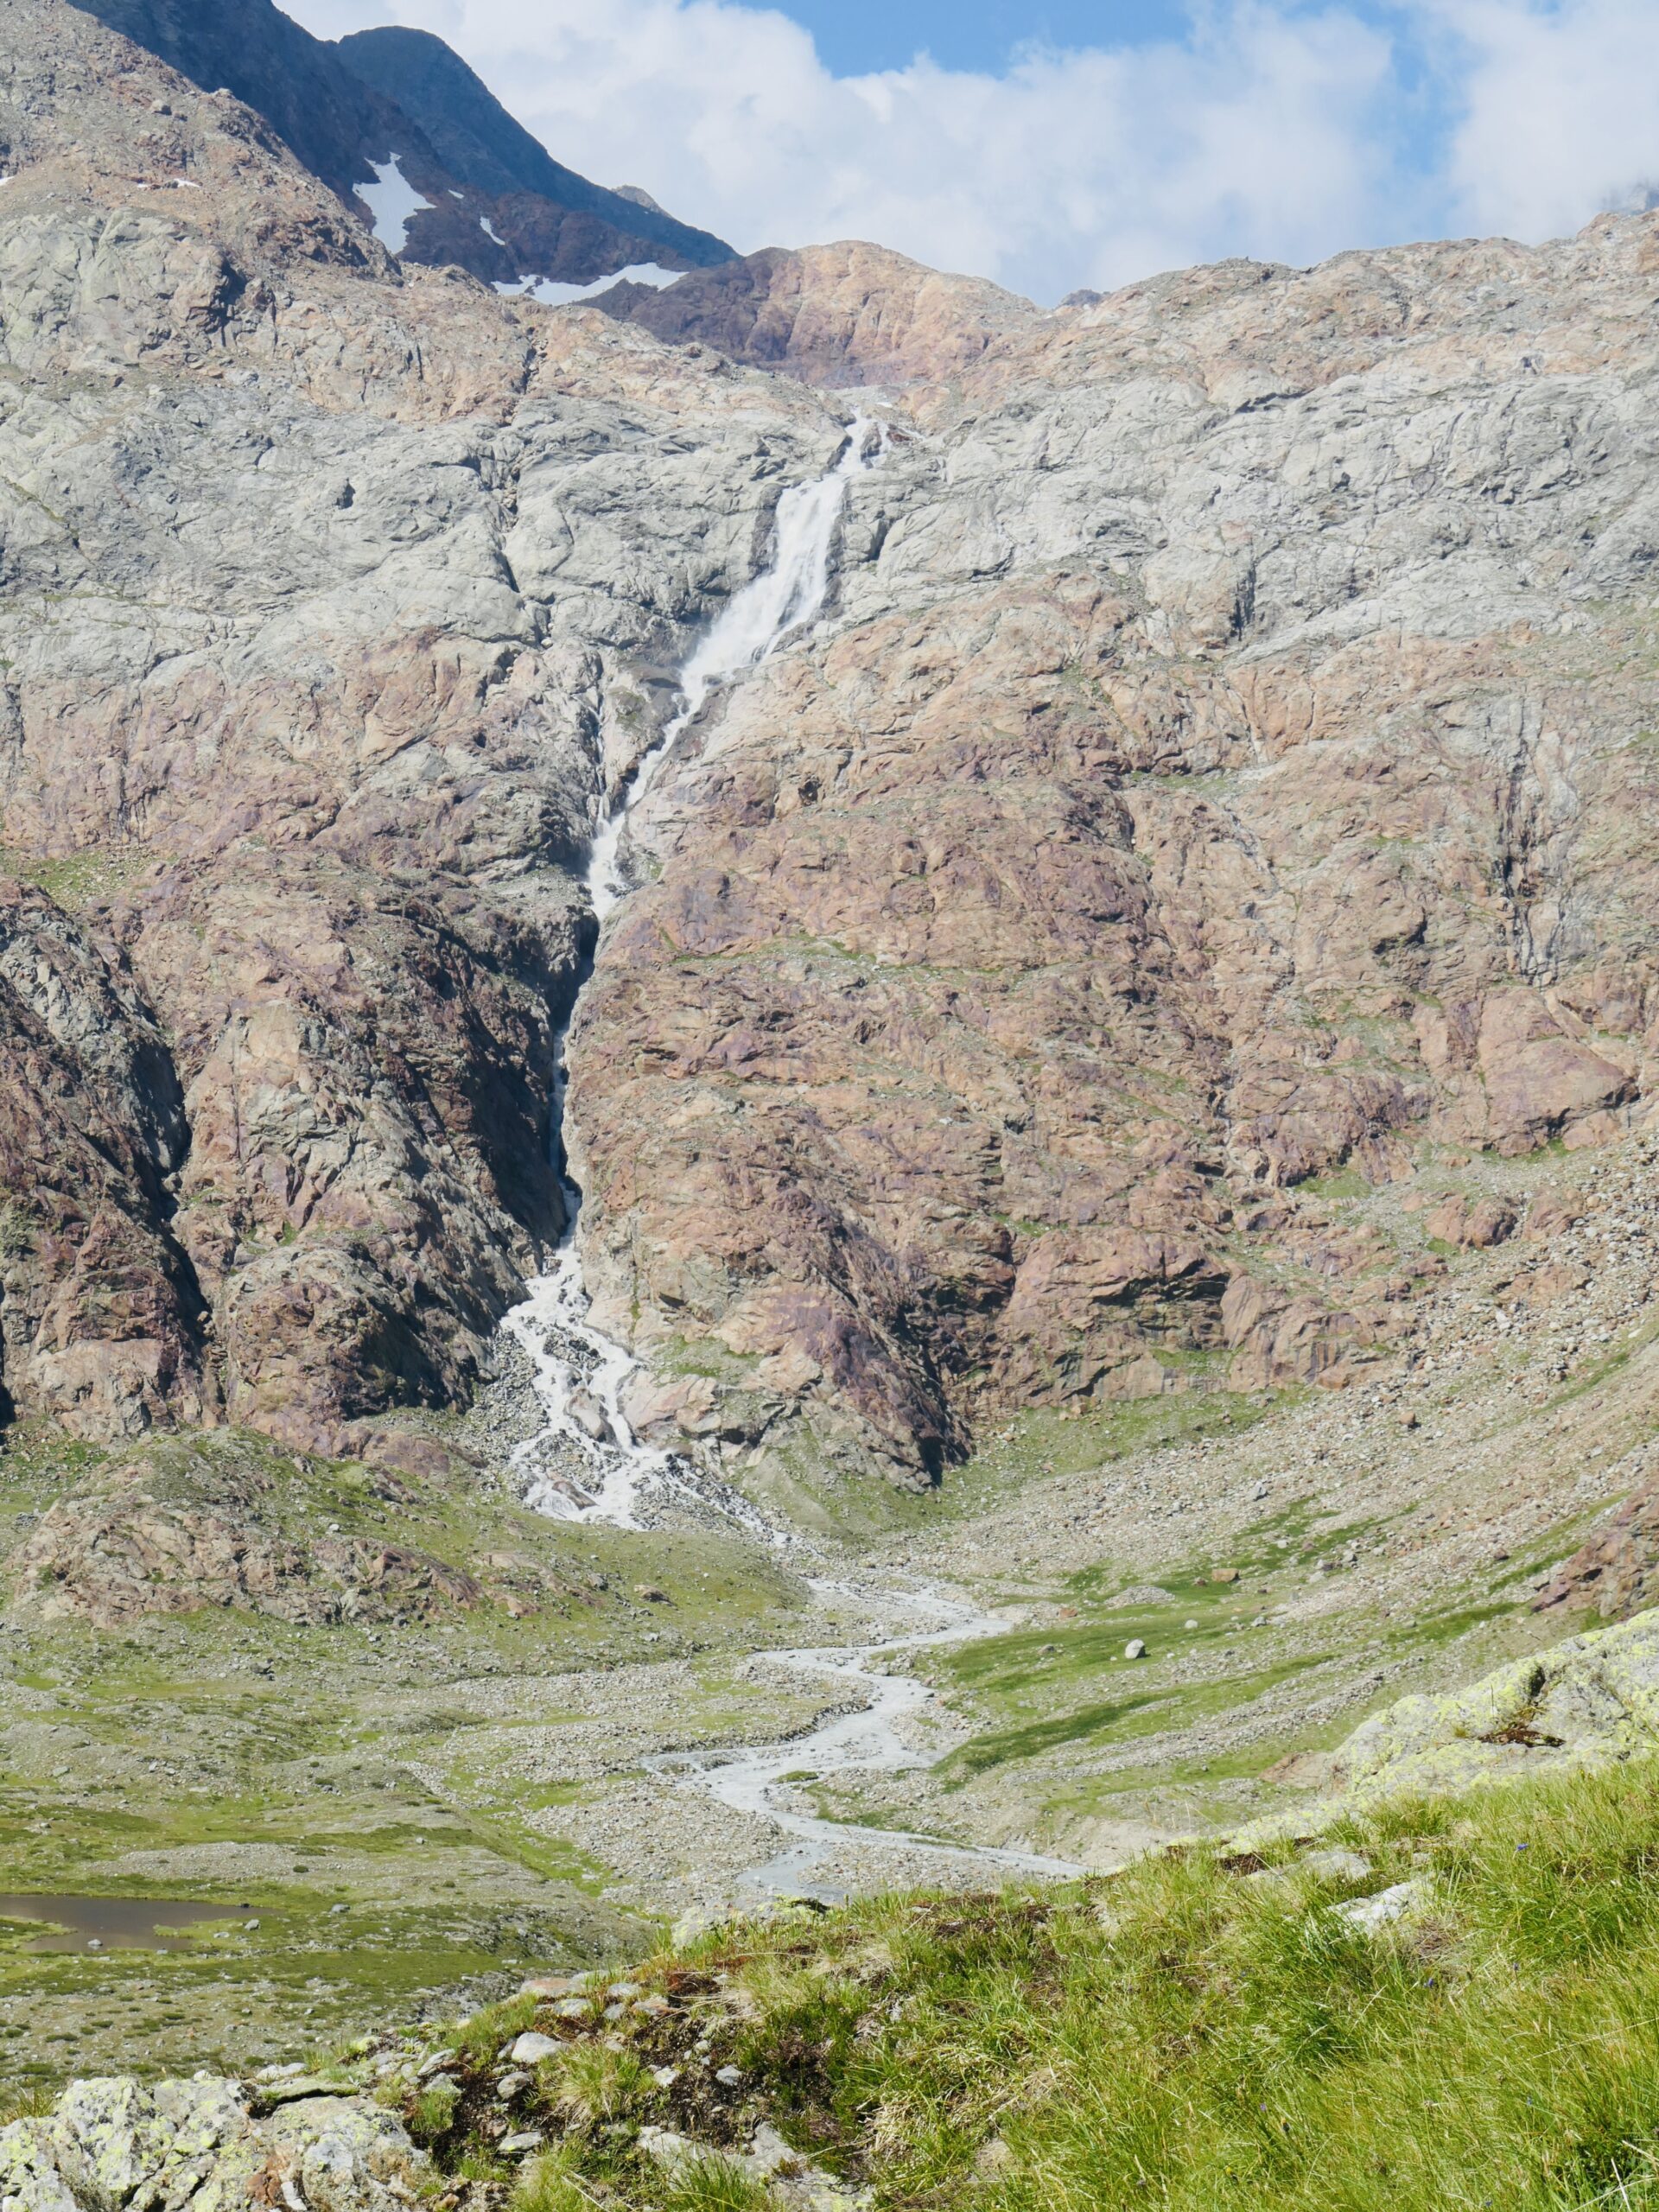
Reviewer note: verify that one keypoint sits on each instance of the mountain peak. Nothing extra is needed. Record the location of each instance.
(396, 124)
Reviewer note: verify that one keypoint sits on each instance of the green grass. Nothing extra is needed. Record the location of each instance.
(296, 1767)
(1184, 2035)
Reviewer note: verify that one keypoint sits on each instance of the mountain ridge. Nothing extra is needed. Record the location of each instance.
(497, 203)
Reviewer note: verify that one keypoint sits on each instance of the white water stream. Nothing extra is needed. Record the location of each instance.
(870, 1741)
(586, 1463)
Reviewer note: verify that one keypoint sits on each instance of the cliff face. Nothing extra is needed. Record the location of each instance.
(333, 593)
(1226, 768)
(1231, 769)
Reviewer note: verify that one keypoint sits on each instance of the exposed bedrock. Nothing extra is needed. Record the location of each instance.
(332, 600)
(1232, 767)
(1228, 760)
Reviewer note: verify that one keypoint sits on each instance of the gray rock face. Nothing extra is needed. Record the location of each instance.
(1230, 767)
(109, 2145)
(1226, 765)
(331, 601)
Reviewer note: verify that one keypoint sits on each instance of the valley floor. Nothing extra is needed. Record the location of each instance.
(426, 1797)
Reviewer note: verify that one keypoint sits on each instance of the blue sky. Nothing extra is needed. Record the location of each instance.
(854, 35)
(1060, 143)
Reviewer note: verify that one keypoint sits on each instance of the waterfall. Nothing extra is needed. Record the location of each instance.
(585, 1464)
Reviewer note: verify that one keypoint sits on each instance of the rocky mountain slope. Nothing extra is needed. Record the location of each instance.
(485, 195)
(333, 593)
(1232, 770)
(1220, 792)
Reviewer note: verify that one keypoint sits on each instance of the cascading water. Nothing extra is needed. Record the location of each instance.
(586, 1463)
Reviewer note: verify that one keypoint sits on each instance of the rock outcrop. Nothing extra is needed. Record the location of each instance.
(1615, 1572)
(1227, 769)
(217, 2145)
(335, 595)
(1594, 1699)
(137, 1540)
(849, 313)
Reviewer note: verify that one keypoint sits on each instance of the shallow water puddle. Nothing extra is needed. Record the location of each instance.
(110, 1923)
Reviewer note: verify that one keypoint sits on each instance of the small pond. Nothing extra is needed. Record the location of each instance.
(111, 1923)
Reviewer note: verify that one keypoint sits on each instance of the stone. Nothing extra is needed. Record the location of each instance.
(729, 2076)
(1224, 1574)
(1615, 1572)
(1336, 1863)
(519, 2145)
(667, 2148)
(769, 2151)
(1135, 1649)
(1387, 1907)
(531, 2048)
(116, 2141)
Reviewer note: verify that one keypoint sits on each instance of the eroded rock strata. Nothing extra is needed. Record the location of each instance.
(1229, 770)
(1224, 769)
(333, 596)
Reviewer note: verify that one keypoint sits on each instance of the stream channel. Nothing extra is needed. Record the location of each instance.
(579, 1374)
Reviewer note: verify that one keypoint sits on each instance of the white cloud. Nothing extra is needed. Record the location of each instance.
(1560, 110)
(1277, 129)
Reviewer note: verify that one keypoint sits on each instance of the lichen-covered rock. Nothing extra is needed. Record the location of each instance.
(1593, 1699)
(117, 2145)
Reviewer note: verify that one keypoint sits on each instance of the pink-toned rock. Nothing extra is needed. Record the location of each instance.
(1476, 1225)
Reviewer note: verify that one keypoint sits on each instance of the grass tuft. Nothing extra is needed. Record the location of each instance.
(716, 2184)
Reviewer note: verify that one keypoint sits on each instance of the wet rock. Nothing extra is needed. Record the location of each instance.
(590, 1417)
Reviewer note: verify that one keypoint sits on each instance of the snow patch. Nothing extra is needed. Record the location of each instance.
(560, 296)
(490, 230)
(391, 201)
